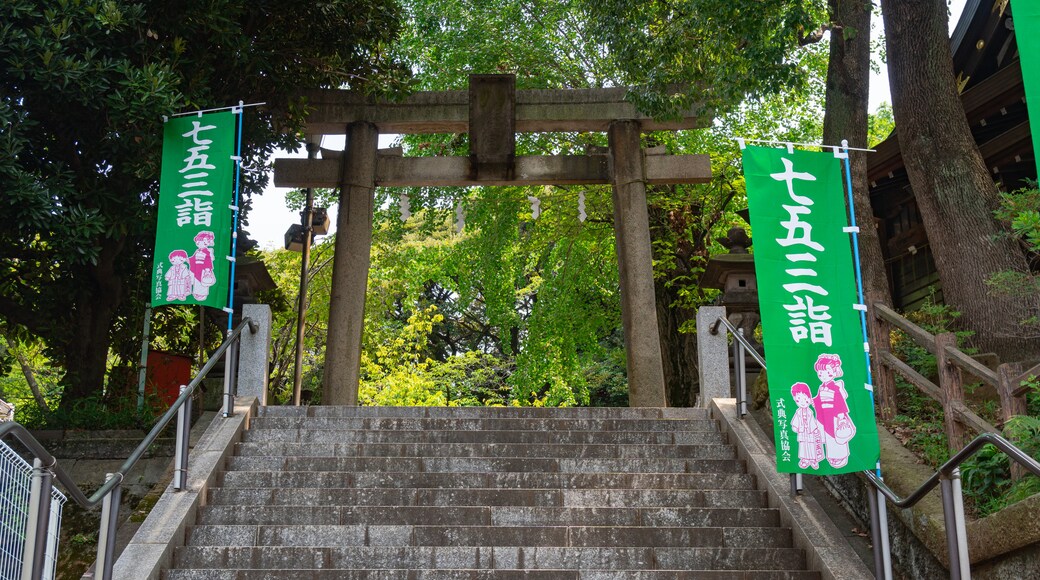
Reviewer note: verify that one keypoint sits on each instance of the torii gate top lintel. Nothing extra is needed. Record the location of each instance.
(492, 111)
(537, 110)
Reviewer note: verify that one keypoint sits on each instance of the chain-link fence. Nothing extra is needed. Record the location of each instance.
(15, 483)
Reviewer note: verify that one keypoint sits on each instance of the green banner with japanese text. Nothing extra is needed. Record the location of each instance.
(193, 234)
(1027, 21)
(823, 413)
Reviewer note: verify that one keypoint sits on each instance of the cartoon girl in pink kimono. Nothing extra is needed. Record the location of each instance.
(804, 423)
(178, 278)
(201, 265)
(832, 409)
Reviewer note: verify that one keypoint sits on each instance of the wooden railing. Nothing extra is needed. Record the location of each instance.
(950, 390)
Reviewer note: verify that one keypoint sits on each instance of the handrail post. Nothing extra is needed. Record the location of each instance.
(953, 517)
(107, 532)
(180, 468)
(234, 350)
(741, 376)
(229, 405)
(952, 389)
(34, 556)
(875, 533)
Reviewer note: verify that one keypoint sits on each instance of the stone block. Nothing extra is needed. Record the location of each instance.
(253, 353)
(712, 356)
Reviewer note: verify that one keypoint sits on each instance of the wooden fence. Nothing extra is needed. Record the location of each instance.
(950, 390)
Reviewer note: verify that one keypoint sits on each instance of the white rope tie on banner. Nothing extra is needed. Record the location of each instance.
(230, 258)
(862, 307)
(850, 229)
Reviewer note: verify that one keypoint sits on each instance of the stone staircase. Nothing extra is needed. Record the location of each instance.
(474, 493)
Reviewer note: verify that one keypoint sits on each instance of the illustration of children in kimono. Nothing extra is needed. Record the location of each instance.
(804, 423)
(201, 265)
(178, 278)
(832, 409)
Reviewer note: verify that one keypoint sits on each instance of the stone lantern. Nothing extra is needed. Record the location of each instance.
(734, 274)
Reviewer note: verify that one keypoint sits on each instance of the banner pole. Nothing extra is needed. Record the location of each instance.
(234, 219)
(854, 230)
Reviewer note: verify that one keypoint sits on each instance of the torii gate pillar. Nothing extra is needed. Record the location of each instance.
(350, 266)
(635, 267)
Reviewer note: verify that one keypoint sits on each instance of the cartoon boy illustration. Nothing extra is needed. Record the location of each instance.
(832, 409)
(178, 277)
(201, 265)
(804, 423)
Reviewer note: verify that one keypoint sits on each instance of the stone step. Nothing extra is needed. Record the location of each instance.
(703, 437)
(506, 450)
(547, 536)
(507, 557)
(489, 412)
(388, 574)
(478, 423)
(484, 464)
(488, 497)
(346, 479)
(487, 516)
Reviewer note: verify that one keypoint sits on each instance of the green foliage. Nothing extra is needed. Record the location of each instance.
(717, 52)
(987, 475)
(880, 124)
(83, 90)
(1019, 211)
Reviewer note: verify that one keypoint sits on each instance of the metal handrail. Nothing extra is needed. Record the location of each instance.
(50, 462)
(947, 469)
(742, 340)
(948, 477)
(47, 463)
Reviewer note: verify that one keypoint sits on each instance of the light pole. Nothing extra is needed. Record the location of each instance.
(307, 221)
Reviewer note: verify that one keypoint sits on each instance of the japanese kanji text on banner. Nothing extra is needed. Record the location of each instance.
(823, 412)
(194, 227)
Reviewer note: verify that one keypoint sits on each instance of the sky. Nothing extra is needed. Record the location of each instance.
(270, 218)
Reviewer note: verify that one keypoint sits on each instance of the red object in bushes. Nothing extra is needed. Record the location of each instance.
(165, 375)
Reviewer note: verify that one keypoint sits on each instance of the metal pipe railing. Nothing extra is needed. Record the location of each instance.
(742, 346)
(947, 477)
(47, 469)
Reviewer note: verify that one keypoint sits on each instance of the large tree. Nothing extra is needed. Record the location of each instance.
(83, 88)
(848, 72)
(954, 190)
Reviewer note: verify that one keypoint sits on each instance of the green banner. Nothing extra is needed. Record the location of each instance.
(1026, 15)
(193, 237)
(823, 413)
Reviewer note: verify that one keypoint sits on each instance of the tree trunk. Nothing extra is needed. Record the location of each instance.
(955, 192)
(86, 353)
(678, 350)
(30, 378)
(848, 74)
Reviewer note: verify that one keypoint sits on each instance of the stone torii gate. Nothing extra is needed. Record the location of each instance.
(492, 111)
